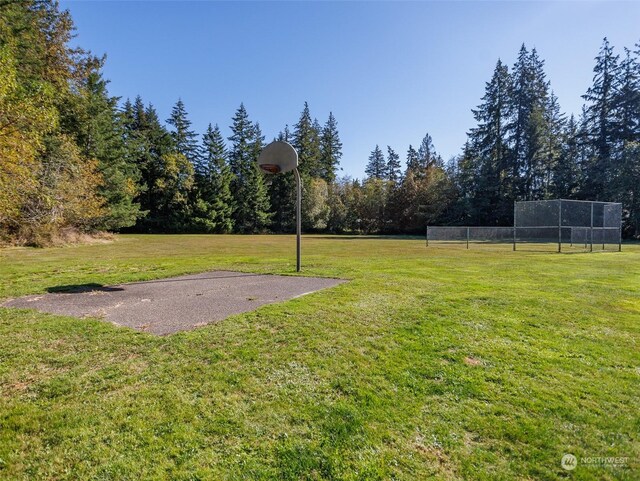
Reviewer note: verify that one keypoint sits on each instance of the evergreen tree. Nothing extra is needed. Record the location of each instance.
(427, 156)
(600, 122)
(377, 167)
(185, 139)
(240, 152)
(528, 128)
(306, 141)
(625, 182)
(139, 115)
(330, 149)
(167, 175)
(257, 185)
(251, 203)
(284, 135)
(215, 205)
(627, 187)
(466, 174)
(100, 135)
(282, 195)
(487, 153)
(565, 171)
(627, 101)
(554, 129)
(394, 201)
(393, 167)
(413, 162)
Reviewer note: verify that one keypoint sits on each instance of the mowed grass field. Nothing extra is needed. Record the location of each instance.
(435, 363)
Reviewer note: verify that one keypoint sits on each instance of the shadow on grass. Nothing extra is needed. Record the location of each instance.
(81, 288)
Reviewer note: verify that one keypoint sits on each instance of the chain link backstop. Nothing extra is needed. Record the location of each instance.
(581, 224)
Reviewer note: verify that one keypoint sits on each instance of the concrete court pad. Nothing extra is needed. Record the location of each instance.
(165, 306)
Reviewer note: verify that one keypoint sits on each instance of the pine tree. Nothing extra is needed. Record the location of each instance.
(282, 195)
(487, 152)
(305, 139)
(251, 203)
(528, 129)
(377, 167)
(257, 185)
(625, 181)
(284, 135)
(565, 171)
(139, 114)
(393, 167)
(627, 187)
(394, 201)
(466, 174)
(552, 151)
(240, 152)
(185, 139)
(413, 162)
(330, 149)
(216, 205)
(627, 100)
(427, 156)
(167, 175)
(600, 122)
(101, 136)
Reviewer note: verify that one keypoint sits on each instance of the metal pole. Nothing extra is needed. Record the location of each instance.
(619, 239)
(559, 226)
(298, 216)
(585, 241)
(603, 237)
(591, 231)
(467, 238)
(571, 244)
(514, 226)
(427, 235)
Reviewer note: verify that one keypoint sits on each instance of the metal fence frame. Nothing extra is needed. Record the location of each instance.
(543, 222)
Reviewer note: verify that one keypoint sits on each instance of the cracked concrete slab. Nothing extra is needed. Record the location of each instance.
(165, 306)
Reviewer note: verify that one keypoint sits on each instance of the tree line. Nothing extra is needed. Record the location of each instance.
(523, 148)
(73, 156)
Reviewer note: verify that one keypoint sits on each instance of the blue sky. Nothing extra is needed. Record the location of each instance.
(389, 71)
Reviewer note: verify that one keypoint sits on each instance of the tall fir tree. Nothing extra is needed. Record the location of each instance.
(214, 206)
(625, 183)
(261, 207)
(427, 156)
(528, 128)
(167, 175)
(282, 195)
(100, 135)
(394, 201)
(185, 139)
(600, 123)
(552, 149)
(565, 171)
(413, 161)
(487, 153)
(377, 166)
(305, 139)
(393, 167)
(330, 149)
(251, 203)
(627, 100)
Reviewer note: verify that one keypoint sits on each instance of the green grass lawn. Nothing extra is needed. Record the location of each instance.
(430, 363)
